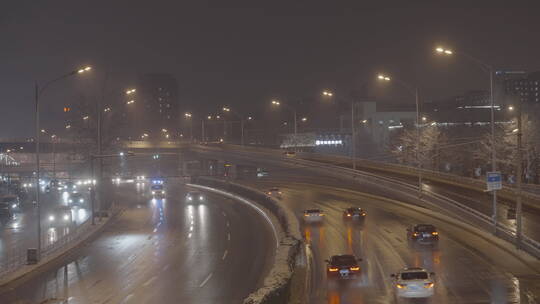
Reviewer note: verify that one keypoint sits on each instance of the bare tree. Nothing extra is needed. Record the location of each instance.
(406, 147)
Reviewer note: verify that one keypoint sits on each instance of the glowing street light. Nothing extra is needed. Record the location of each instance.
(275, 102)
(443, 51)
(510, 108)
(187, 115)
(383, 77)
(68, 126)
(85, 69)
(130, 91)
(86, 117)
(130, 102)
(304, 119)
(328, 93)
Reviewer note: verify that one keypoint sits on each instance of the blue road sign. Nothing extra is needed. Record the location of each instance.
(494, 181)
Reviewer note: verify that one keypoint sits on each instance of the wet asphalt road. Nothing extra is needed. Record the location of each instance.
(162, 251)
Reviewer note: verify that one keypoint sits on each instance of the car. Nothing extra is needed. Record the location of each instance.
(60, 216)
(262, 172)
(275, 192)
(289, 153)
(414, 282)
(12, 201)
(76, 199)
(313, 215)
(352, 213)
(140, 179)
(193, 196)
(157, 190)
(5, 211)
(423, 234)
(342, 266)
(70, 187)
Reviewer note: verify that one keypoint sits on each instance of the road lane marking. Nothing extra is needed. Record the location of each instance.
(152, 279)
(206, 280)
(225, 254)
(191, 228)
(189, 235)
(126, 299)
(155, 230)
(166, 267)
(228, 236)
(192, 222)
(223, 212)
(228, 224)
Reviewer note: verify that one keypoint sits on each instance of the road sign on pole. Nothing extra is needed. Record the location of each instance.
(494, 181)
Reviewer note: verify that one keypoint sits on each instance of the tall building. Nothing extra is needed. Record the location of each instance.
(524, 86)
(158, 94)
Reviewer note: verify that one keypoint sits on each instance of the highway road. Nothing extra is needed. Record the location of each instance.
(468, 268)
(162, 251)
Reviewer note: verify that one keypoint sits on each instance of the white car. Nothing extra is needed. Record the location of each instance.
(414, 283)
(313, 215)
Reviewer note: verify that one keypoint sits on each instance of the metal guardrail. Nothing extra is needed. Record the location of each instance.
(17, 257)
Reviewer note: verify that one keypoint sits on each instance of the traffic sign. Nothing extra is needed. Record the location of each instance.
(494, 181)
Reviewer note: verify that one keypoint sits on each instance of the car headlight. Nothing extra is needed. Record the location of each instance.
(14, 206)
(162, 192)
(189, 198)
(201, 197)
(81, 200)
(401, 286)
(66, 217)
(153, 192)
(51, 218)
(71, 201)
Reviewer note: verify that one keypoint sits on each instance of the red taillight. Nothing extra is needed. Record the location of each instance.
(356, 268)
(435, 233)
(348, 214)
(333, 269)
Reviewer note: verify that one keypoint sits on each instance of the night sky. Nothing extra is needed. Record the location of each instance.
(246, 53)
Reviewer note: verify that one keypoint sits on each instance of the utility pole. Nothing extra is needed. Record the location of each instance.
(519, 223)
(418, 156)
(353, 138)
(37, 173)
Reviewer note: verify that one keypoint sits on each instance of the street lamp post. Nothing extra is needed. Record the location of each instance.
(414, 92)
(38, 91)
(188, 115)
(278, 103)
(489, 69)
(242, 121)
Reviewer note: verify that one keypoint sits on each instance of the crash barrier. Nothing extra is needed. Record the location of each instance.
(529, 192)
(276, 287)
(16, 258)
(430, 199)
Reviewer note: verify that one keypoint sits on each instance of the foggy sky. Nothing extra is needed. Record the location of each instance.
(245, 54)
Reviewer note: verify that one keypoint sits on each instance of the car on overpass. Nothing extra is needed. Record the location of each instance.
(313, 216)
(289, 153)
(194, 196)
(354, 213)
(414, 282)
(423, 234)
(342, 266)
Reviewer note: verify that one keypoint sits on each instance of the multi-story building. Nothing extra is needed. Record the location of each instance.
(159, 114)
(525, 86)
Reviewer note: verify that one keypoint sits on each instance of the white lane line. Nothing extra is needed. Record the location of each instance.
(152, 279)
(223, 212)
(126, 299)
(228, 236)
(189, 235)
(166, 267)
(243, 200)
(225, 254)
(191, 228)
(192, 222)
(205, 280)
(228, 224)
(155, 230)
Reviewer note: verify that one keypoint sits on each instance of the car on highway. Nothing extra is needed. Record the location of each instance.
(60, 216)
(354, 213)
(141, 179)
(193, 196)
(289, 153)
(12, 201)
(414, 282)
(423, 234)
(262, 172)
(76, 199)
(274, 192)
(157, 191)
(70, 187)
(343, 266)
(313, 215)
(5, 211)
